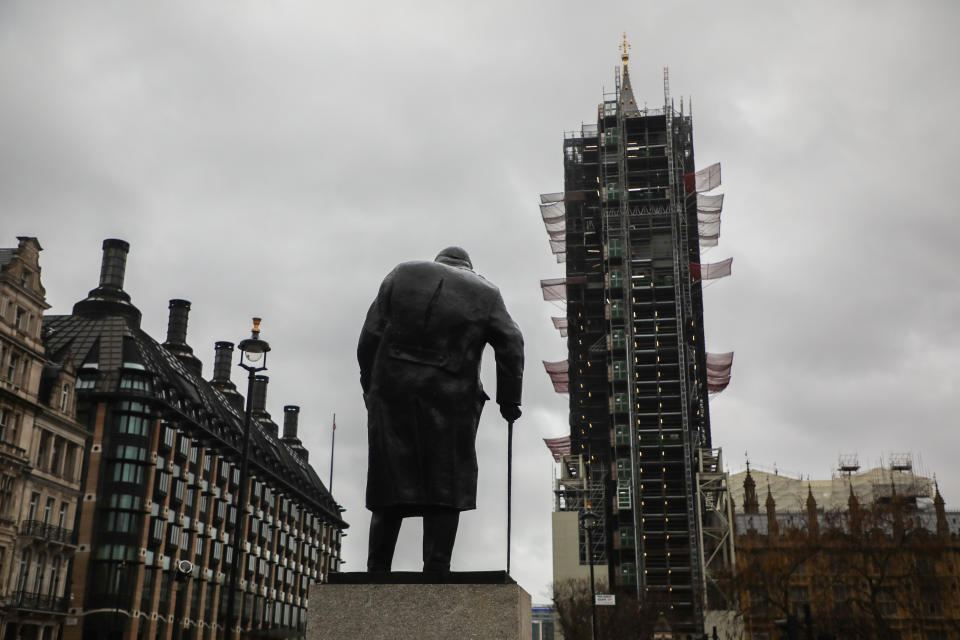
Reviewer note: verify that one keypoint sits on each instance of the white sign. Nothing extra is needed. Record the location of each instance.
(606, 599)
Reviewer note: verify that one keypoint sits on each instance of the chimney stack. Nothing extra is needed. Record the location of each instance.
(177, 323)
(222, 361)
(109, 298)
(291, 417)
(258, 399)
(114, 263)
(177, 337)
(258, 406)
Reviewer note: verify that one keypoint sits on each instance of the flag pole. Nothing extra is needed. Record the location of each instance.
(333, 443)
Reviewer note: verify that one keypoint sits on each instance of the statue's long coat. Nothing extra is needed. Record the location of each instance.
(419, 356)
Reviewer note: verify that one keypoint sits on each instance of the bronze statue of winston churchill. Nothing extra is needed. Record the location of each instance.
(419, 355)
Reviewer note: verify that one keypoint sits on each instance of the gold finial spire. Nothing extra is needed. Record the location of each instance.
(256, 326)
(625, 47)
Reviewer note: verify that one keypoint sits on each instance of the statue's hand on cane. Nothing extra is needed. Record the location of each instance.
(510, 412)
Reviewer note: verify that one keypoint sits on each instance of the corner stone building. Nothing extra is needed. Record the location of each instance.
(41, 454)
(161, 481)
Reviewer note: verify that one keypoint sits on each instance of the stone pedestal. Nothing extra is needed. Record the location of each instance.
(417, 606)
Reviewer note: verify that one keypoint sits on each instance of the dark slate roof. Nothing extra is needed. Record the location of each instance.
(108, 347)
(6, 255)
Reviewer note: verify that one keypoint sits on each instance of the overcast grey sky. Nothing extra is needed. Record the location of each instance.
(277, 158)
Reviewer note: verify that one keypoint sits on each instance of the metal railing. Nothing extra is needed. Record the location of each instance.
(45, 531)
(38, 601)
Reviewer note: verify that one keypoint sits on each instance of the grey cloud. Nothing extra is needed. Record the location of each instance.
(278, 159)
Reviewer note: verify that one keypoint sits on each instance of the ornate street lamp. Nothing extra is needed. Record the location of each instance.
(253, 358)
(588, 522)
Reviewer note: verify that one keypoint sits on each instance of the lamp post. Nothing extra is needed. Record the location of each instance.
(253, 358)
(588, 522)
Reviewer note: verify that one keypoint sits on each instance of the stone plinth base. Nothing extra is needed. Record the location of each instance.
(416, 606)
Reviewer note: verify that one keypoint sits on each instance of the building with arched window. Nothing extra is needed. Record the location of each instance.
(41, 456)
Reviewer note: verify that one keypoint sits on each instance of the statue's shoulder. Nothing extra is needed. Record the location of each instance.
(415, 265)
(413, 269)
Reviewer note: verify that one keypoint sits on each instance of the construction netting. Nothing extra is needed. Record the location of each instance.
(708, 218)
(703, 180)
(547, 198)
(553, 212)
(710, 271)
(719, 366)
(559, 375)
(556, 288)
(559, 447)
(560, 323)
(708, 226)
(709, 204)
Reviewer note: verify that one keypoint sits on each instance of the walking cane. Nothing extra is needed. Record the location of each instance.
(509, 487)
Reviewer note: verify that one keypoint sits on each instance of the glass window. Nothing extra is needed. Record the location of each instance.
(616, 309)
(157, 529)
(42, 449)
(619, 370)
(178, 490)
(122, 521)
(6, 421)
(129, 452)
(134, 382)
(622, 434)
(127, 472)
(56, 460)
(40, 570)
(616, 247)
(623, 496)
(125, 501)
(163, 482)
(620, 403)
(12, 367)
(116, 552)
(64, 397)
(133, 425)
(70, 462)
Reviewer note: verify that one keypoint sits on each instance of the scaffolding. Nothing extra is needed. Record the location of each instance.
(577, 491)
(629, 227)
(715, 526)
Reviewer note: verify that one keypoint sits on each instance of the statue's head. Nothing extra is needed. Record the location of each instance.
(454, 257)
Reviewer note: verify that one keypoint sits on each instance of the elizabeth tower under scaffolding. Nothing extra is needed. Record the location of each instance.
(637, 371)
